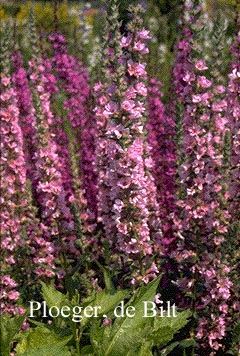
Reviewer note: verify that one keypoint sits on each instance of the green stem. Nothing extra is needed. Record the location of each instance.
(78, 338)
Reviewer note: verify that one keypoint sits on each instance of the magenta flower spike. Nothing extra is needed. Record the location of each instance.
(13, 186)
(203, 218)
(26, 110)
(74, 79)
(127, 205)
(54, 201)
(162, 139)
(233, 110)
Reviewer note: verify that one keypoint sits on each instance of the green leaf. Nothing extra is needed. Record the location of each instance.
(145, 349)
(107, 301)
(87, 351)
(9, 328)
(163, 336)
(137, 335)
(37, 323)
(184, 344)
(40, 341)
(47, 351)
(52, 296)
(165, 328)
(126, 333)
(96, 336)
(170, 348)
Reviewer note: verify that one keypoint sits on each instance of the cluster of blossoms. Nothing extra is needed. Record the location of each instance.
(39, 248)
(182, 74)
(51, 196)
(127, 204)
(57, 222)
(74, 79)
(28, 150)
(161, 137)
(26, 110)
(233, 109)
(13, 188)
(203, 218)
(161, 129)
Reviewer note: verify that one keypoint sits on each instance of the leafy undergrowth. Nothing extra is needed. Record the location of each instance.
(107, 334)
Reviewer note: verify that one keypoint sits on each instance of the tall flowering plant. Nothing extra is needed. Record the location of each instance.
(161, 135)
(26, 110)
(233, 109)
(233, 112)
(162, 139)
(59, 232)
(203, 219)
(13, 190)
(127, 205)
(74, 79)
(38, 247)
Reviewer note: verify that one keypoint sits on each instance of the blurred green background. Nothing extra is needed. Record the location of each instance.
(82, 23)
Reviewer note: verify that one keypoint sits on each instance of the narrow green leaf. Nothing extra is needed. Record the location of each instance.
(170, 348)
(107, 277)
(182, 344)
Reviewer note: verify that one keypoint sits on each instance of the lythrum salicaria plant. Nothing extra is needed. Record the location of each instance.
(127, 205)
(203, 219)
